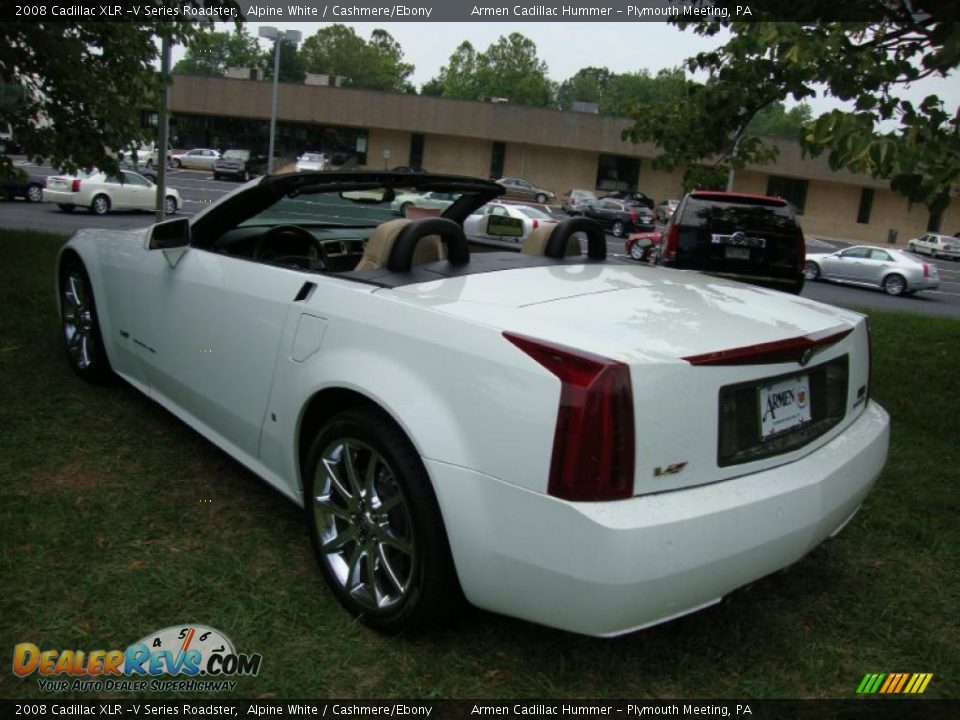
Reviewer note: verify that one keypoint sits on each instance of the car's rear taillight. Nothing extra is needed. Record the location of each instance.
(536, 224)
(75, 185)
(802, 253)
(926, 270)
(593, 443)
(670, 248)
(633, 217)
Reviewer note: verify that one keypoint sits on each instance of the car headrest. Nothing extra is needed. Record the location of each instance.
(404, 246)
(564, 232)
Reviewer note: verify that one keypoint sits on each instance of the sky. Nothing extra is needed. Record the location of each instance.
(568, 47)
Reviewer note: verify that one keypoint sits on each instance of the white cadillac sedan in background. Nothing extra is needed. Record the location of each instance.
(597, 447)
(100, 193)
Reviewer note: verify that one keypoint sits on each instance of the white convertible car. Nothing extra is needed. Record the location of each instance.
(593, 446)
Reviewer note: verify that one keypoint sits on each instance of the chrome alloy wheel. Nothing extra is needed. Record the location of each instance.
(78, 324)
(364, 525)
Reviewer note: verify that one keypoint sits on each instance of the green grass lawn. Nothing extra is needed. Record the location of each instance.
(106, 534)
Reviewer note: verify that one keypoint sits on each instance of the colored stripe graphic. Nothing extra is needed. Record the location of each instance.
(894, 683)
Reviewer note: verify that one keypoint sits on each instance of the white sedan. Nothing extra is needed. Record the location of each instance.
(593, 446)
(476, 226)
(196, 159)
(101, 193)
(936, 246)
(427, 200)
(309, 162)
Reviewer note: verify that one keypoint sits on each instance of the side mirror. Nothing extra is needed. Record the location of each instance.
(169, 235)
(503, 226)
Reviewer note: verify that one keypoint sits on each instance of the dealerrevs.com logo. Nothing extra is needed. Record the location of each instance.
(185, 652)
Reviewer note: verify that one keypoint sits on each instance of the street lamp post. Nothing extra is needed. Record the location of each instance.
(272, 33)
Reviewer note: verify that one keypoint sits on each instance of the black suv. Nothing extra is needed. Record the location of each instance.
(239, 164)
(751, 238)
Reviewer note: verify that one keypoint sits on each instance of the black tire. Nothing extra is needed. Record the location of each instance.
(170, 205)
(811, 271)
(66, 208)
(216, 176)
(636, 252)
(149, 163)
(80, 324)
(245, 176)
(894, 284)
(425, 590)
(34, 192)
(403, 208)
(617, 229)
(100, 205)
(176, 163)
(541, 198)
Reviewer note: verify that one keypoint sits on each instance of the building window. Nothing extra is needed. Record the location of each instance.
(416, 151)
(498, 156)
(617, 173)
(866, 204)
(934, 221)
(790, 189)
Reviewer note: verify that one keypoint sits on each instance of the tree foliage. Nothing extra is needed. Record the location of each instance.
(376, 64)
(83, 84)
(292, 66)
(508, 68)
(866, 64)
(211, 52)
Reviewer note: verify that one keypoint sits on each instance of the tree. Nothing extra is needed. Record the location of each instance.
(776, 121)
(588, 85)
(376, 64)
(862, 63)
(509, 68)
(291, 63)
(83, 84)
(211, 53)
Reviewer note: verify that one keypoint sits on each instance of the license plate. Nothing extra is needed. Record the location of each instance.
(784, 405)
(737, 253)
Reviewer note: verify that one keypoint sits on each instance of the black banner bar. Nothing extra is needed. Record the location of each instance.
(862, 709)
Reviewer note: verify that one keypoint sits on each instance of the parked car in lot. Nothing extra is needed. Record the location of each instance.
(574, 201)
(431, 200)
(196, 159)
(632, 196)
(644, 246)
(29, 187)
(100, 193)
(525, 190)
(665, 209)
(936, 245)
(239, 165)
(620, 217)
(893, 271)
(476, 225)
(496, 425)
(312, 161)
(752, 238)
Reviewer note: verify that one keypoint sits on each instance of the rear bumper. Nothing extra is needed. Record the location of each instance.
(61, 197)
(605, 569)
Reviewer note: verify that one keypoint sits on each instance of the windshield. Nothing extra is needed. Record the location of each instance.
(310, 157)
(237, 155)
(533, 213)
(361, 208)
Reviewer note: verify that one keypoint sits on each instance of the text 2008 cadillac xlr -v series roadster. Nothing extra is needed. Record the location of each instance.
(589, 445)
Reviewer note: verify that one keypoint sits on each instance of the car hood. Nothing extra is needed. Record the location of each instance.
(625, 312)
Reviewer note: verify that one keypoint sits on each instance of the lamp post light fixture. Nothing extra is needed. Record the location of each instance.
(272, 33)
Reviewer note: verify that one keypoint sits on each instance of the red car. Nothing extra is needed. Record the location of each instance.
(643, 245)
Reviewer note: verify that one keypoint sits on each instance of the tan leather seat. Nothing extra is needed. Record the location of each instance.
(536, 243)
(376, 254)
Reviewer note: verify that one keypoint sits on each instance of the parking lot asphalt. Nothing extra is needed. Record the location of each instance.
(198, 189)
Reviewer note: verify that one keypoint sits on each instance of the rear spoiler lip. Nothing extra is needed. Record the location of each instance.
(796, 349)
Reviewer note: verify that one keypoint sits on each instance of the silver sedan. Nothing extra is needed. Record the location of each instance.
(893, 271)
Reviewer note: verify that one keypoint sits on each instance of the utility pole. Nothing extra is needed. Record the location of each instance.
(163, 121)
